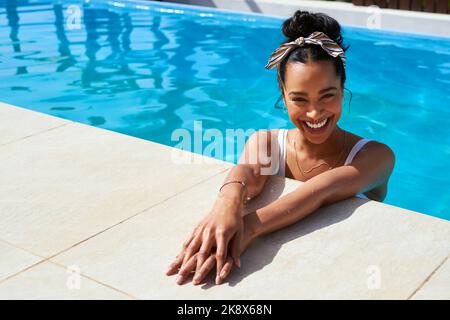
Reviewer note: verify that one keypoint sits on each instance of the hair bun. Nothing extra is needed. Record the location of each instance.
(303, 23)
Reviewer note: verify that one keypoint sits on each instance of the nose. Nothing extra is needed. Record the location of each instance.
(314, 113)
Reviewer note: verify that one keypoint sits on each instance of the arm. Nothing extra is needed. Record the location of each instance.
(371, 167)
(225, 222)
(253, 159)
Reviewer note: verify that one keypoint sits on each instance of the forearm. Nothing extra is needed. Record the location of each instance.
(250, 175)
(288, 209)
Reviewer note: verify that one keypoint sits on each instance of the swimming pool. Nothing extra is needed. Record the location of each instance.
(146, 69)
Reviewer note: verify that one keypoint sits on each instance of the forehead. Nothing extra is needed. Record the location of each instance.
(311, 76)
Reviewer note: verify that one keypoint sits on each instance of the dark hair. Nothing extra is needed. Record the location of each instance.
(302, 24)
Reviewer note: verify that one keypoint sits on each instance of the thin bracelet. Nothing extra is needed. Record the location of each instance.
(237, 181)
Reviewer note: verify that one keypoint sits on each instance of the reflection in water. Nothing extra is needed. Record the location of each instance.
(67, 60)
(13, 23)
(148, 73)
(165, 78)
(169, 74)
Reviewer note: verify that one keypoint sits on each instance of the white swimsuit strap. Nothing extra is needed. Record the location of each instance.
(358, 146)
(281, 140)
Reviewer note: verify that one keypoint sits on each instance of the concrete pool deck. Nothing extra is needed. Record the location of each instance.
(88, 213)
(346, 13)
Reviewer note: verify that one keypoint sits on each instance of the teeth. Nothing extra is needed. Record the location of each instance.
(317, 125)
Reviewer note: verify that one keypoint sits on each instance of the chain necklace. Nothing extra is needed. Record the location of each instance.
(329, 167)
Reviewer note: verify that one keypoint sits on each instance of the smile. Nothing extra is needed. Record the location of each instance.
(317, 127)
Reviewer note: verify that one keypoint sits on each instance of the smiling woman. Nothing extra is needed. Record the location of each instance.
(311, 77)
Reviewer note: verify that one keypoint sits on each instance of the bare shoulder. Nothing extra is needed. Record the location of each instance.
(373, 148)
(259, 144)
(262, 137)
(377, 151)
(376, 160)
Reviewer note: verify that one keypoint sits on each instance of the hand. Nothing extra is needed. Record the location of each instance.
(207, 266)
(215, 230)
(238, 244)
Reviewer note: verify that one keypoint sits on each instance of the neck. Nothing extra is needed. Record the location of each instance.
(332, 146)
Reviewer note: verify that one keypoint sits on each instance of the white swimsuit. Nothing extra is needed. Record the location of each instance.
(282, 135)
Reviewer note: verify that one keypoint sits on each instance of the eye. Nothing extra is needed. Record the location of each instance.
(328, 96)
(298, 100)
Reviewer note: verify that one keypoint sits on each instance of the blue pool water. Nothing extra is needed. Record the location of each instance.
(149, 70)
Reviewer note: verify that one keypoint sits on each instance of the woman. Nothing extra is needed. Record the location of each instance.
(332, 163)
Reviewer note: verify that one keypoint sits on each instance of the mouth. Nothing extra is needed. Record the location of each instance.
(317, 127)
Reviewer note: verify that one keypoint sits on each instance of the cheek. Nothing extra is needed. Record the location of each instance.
(336, 109)
(334, 106)
(294, 115)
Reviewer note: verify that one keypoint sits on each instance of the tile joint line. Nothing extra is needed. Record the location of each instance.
(424, 282)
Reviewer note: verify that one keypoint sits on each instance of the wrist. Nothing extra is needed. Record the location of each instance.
(252, 225)
(229, 202)
(234, 193)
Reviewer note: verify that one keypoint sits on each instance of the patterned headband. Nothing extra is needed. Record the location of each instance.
(319, 38)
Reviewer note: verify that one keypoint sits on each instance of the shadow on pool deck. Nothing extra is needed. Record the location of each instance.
(262, 251)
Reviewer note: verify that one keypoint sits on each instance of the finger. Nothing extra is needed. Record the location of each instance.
(205, 269)
(235, 249)
(192, 248)
(186, 269)
(221, 253)
(189, 238)
(173, 268)
(205, 249)
(226, 270)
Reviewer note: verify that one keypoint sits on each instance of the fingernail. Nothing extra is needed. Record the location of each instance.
(222, 274)
(179, 279)
(217, 280)
(239, 263)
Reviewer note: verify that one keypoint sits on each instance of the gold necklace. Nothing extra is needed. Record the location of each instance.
(329, 167)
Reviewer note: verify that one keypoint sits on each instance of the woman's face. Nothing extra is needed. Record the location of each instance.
(313, 93)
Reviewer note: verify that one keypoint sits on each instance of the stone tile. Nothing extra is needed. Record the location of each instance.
(49, 281)
(14, 260)
(340, 251)
(357, 250)
(18, 123)
(134, 256)
(437, 286)
(65, 185)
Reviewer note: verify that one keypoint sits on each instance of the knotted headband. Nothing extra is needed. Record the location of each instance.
(317, 37)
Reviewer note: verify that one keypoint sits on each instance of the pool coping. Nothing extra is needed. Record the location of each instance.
(411, 249)
(415, 22)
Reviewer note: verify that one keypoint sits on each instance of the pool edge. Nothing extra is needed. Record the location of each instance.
(398, 216)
